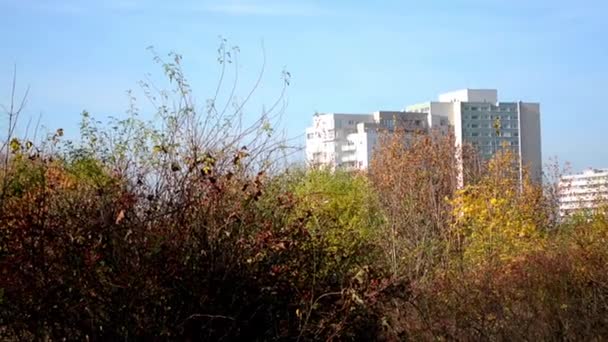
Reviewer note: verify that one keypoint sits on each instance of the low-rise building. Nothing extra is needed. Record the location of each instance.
(583, 191)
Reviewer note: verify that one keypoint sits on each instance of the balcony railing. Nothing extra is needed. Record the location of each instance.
(347, 159)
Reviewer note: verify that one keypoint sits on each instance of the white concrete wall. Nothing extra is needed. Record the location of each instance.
(455, 117)
(470, 95)
(443, 108)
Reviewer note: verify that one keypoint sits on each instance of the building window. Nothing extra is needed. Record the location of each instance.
(310, 135)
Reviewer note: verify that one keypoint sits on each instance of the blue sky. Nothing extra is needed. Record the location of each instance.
(344, 56)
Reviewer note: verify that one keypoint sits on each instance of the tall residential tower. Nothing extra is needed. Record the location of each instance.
(478, 118)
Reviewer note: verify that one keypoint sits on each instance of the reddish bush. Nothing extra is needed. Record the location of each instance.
(88, 258)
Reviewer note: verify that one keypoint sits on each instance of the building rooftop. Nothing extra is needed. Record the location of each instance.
(587, 172)
(470, 95)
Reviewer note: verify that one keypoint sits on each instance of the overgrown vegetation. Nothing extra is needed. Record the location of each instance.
(190, 228)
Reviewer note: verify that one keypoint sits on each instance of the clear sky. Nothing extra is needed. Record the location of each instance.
(344, 56)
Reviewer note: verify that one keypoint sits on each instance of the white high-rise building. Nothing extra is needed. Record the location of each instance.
(348, 140)
(583, 191)
(479, 119)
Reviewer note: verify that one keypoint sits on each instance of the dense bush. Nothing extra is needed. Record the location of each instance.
(189, 228)
(84, 257)
(180, 229)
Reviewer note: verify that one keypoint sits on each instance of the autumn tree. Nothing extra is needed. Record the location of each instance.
(501, 216)
(414, 174)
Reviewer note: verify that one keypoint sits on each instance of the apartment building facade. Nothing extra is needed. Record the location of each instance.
(583, 191)
(348, 141)
(475, 116)
(478, 118)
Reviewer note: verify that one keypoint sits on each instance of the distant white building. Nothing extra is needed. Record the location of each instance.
(478, 118)
(347, 141)
(475, 116)
(583, 191)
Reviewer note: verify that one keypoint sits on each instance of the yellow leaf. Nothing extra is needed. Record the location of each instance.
(15, 145)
